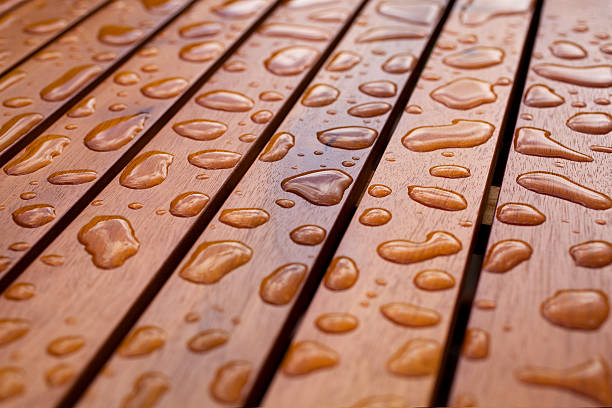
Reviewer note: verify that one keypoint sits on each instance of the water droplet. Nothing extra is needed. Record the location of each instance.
(211, 261)
(165, 88)
(110, 240)
(46, 26)
(119, 35)
(450, 171)
(319, 187)
(299, 32)
(20, 291)
(38, 154)
(12, 329)
(142, 341)
(462, 133)
(576, 309)
(214, 159)
(235, 66)
(203, 29)
(115, 133)
(34, 216)
(277, 147)
(284, 203)
(537, 142)
(334, 15)
(188, 204)
(594, 123)
(439, 198)
(558, 186)
(375, 217)
(379, 190)
(464, 93)
(201, 51)
(399, 63)
(417, 357)
(307, 356)
(379, 89)
(271, 96)
(308, 235)
(478, 12)
(475, 58)
(126, 78)
(595, 76)
(200, 129)
(19, 246)
(601, 149)
(592, 254)
(348, 137)
(52, 260)
(343, 61)
(606, 48)
(320, 95)
(146, 391)
(17, 102)
(369, 109)
(244, 217)
(541, 96)
(475, 344)
(409, 315)
(230, 380)
(336, 322)
(208, 340)
(293, 4)
(12, 382)
(437, 243)
(85, 107)
(390, 33)
(30, 195)
(291, 60)
(280, 286)
(11, 79)
(262, 116)
(567, 50)
(505, 255)
(341, 274)
(424, 14)
(72, 177)
(62, 346)
(69, 83)
(59, 375)
(146, 170)
(227, 101)
(519, 214)
(434, 279)
(17, 126)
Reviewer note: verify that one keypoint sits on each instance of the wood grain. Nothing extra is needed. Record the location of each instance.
(32, 24)
(81, 47)
(152, 63)
(8, 4)
(519, 334)
(362, 373)
(92, 302)
(233, 304)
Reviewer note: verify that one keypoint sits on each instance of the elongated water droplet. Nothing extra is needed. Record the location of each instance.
(464, 93)
(119, 35)
(374, 217)
(343, 61)
(161, 7)
(562, 187)
(165, 88)
(307, 356)
(200, 129)
(211, 261)
(12, 329)
(34, 216)
(110, 240)
(333, 15)
(38, 154)
(379, 190)
(115, 133)
(227, 101)
(576, 309)
(59, 375)
(519, 214)
(17, 102)
(291, 60)
(308, 235)
(594, 76)
(262, 116)
(417, 357)
(142, 341)
(505, 255)
(202, 29)
(369, 109)
(319, 187)
(277, 147)
(477, 12)
(475, 58)
(320, 95)
(20, 291)
(230, 380)
(46, 26)
(593, 123)
(475, 344)
(11, 79)
(437, 243)
(424, 14)
(542, 96)
(390, 33)
(280, 286)
(208, 340)
(592, 254)
(188, 204)
(379, 89)
(341, 274)
(17, 126)
(62, 346)
(409, 315)
(450, 171)
(147, 390)
(146, 170)
(434, 279)
(399, 63)
(201, 51)
(336, 322)
(52, 260)
(461, 133)
(537, 142)
(348, 137)
(439, 198)
(567, 50)
(12, 382)
(244, 217)
(72, 177)
(84, 108)
(297, 31)
(214, 159)
(69, 83)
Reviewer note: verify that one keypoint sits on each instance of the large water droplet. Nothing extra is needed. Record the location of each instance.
(567, 50)
(165, 88)
(201, 51)
(244, 217)
(595, 76)
(12, 382)
(115, 133)
(38, 154)
(230, 380)
(188, 204)
(537, 142)
(142, 341)
(16, 127)
(348, 137)
(110, 240)
(12, 329)
(304, 357)
(211, 261)
(592, 254)
(147, 390)
(434, 279)
(299, 32)
(409, 315)
(227, 101)
(577, 309)
(200, 129)
(475, 344)
(341, 274)
(72, 177)
(280, 286)
(46, 26)
(424, 14)
(202, 29)
(462, 133)
(477, 12)
(593, 123)
(84, 108)
(70, 82)
(439, 198)
(343, 61)
(214, 159)
(119, 35)
(320, 95)
(34, 216)
(542, 96)
(291, 60)
(417, 357)
(20, 291)
(379, 89)
(369, 109)
(277, 147)
(505, 255)
(146, 170)
(336, 322)
(437, 243)
(308, 235)
(475, 58)
(374, 217)
(464, 93)
(319, 187)
(390, 33)
(63, 346)
(519, 214)
(399, 63)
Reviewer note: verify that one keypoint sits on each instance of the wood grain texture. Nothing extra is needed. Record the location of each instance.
(362, 373)
(30, 25)
(6, 5)
(153, 63)
(519, 333)
(130, 21)
(95, 319)
(233, 304)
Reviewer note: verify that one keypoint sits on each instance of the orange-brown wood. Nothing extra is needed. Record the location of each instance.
(194, 311)
(8, 4)
(116, 289)
(403, 313)
(120, 96)
(43, 84)
(530, 324)
(30, 25)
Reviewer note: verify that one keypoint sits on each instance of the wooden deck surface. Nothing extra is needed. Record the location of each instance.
(289, 203)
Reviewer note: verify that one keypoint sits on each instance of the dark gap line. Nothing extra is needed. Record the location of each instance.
(43, 125)
(343, 219)
(99, 185)
(13, 7)
(471, 274)
(44, 44)
(141, 303)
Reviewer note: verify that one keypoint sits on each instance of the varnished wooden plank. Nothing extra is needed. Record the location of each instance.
(537, 318)
(94, 300)
(6, 5)
(30, 25)
(426, 223)
(247, 325)
(119, 103)
(45, 83)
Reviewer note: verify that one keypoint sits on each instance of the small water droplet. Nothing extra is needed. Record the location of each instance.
(12, 329)
(475, 58)
(343, 61)
(63, 346)
(319, 187)
(475, 343)
(379, 190)
(439, 198)
(12, 382)
(291, 60)
(437, 243)
(376, 34)
(119, 35)
(280, 286)
(229, 381)
(304, 357)
(417, 357)
(576, 309)
(147, 390)
(409, 315)
(208, 340)
(59, 375)
(70, 82)
(348, 137)
(333, 323)
(165, 88)
(20, 291)
(567, 50)
(308, 235)
(593, 123)
(115, 133)
(227, 101)
(244, 217)
(375, 217)
(188, 204)
(594, 76)
(519, 214)
(399, 63)
(142, 341)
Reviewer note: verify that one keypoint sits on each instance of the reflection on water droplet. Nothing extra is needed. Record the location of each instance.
(333, 323)
(424, 14)
(227, 101)
(592, 254)
(284, 203)
(319, 187)
(203, 29)
(147, 390)
(439, 198)
(110, 240)
(278, 147)
(146, 170)
(165, 88)
(409, 315)
(369, 109)
(437, 243)
(69, 83)
(594, 76)
(593, 123)
(519, 214)
(17, 126)
(296, 31)
(379, 89)
(34, 216)
(85, 107)
(537, 142)
(390, 33)
(461, 133)
(505, 255)
(12, 329)
(567, 50)
(341, 274)
(379, 190)
(12, 382)
(59, 375)
(434, 279)
(214, 159)
(542, 96)
(244, 217)
(208, 340)
(417, 357)
(200, 129)
(477, 12)
(62, 346)
(475, 58)
(475, 344)
(348, 137)
(320, 95)
(119, 35)
(576, 309)
(115, 133)
(211, 261)
(188, 204)
(72, 177)
(304, 357)
(464, 93)
(142, 341)
(20, 291)
(291, 60)
(230, 380)
(201, 51)
(399, 63)
(343, 61)
(308, 235)
(36, 155)
(280, 286)
(375, 217)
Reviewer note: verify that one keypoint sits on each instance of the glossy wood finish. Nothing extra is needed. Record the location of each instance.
(519, 333)
(130, 279)
(8, 4)
(233, 304)
(128, 24)
(30, 25)
(116, 97)
(362, 373)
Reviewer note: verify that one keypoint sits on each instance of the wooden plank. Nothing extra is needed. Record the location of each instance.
(426, 222)
(119, 96)
(531, 323)
(232, 306)
(90, 300)
(31, 25)
(6, 5)
(72, 61)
